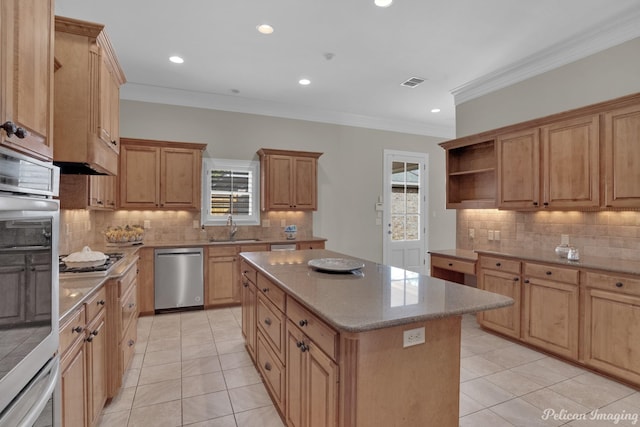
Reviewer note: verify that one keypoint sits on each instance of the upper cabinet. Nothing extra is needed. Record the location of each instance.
(622, 157)
(159, 175)
(87, 98)
(554, 166)
(26, 76)
(288, 180)
(583, 159)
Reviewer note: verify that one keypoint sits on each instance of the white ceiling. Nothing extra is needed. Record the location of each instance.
(467, 47)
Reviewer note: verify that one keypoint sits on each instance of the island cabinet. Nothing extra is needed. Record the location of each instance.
(612, 324)
(288, 180)
(87, 97)
(553, 166)
(26, 76)
(622, 157)
(159, 175)
(83, 349)
(501, 276)
(249, 298)
(551, 308)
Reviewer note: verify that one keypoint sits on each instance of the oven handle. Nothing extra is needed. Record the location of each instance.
(52, 369)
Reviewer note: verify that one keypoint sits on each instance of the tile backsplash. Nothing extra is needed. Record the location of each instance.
(79, 227)
(607, 233)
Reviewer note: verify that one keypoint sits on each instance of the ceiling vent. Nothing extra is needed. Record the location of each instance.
(412, 82)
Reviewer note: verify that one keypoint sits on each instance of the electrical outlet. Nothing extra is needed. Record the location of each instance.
(413, 337)
(496, 235)
(266, 223)
(283, 223)
(472, 233)
(196, 223)
(490, 235)
(564, 239)
(147, 223)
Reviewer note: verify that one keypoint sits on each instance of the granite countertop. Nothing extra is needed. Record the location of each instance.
(549, 256)
(463, 254)
(74, 291)
(237, 241)
(378, 297)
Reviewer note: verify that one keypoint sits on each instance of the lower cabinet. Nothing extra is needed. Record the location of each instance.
(83, 346)
(501, 276)
(146, 295)
(222, 283)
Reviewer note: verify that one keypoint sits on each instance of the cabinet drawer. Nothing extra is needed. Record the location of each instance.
(271, 323)
(318, 331)
(128, 308)
(467, 267)
(71, 330)
(272, 370)
(272, 291)
(500, 264)
(126, 281)
(222, 251)
(613, 282)
(248, 271)
(128, 345)
(95, 304)
(558, 274)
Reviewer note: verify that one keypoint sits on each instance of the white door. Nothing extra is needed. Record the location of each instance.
(405, 195)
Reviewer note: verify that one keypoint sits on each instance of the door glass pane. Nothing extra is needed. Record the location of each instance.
(397, 227)
(405, 201)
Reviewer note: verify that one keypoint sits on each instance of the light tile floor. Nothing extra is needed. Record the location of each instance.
(191, 369)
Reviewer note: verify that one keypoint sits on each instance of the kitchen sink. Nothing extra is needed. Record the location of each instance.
(233, 240)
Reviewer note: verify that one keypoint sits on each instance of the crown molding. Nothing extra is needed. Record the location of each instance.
(238, 104)
(622, 28)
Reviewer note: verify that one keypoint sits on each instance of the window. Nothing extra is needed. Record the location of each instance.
(230, 187)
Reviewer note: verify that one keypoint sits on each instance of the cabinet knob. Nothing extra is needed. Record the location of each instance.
(516, 279)
(450, 264)
(526, 281)
(21, 133)
(535, 203)
(10, 128)
(303, 322)
(548, 273)
(245, 284)
(94, 333)
(101, 302)
(265, 290)
(78, 329)
(545, 204)
(267, 321)
(89, 338)
(302, 346)
(267, 366)
(131, 305)
(498, 264)
(131, 343)
(619, 284)
(114, 142)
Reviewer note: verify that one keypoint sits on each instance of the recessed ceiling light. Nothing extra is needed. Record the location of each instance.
(435, 110)
(176, 59)
(383, 3)
(304, 82)
(265, 29)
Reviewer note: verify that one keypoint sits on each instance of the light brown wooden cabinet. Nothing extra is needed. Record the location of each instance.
(27, 61)
(96, 367)
(159, 175)
(501, 276)
(222, 280)
(612, 324)
(551, 308)
(554, 166)
(95, 192)
(288, 180)
(146, 293)
(87, 85)
(622, 157)
(73, 386)
(249, 306)
(309, 245)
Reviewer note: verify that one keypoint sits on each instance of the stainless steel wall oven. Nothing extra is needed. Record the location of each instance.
(29, 229)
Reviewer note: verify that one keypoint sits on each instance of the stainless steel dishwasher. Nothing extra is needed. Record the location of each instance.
(178, 278)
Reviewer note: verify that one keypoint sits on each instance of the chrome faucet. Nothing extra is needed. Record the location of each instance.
(233, 228)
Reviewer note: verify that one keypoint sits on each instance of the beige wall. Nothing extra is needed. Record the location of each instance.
(606, 75)
(349, 176)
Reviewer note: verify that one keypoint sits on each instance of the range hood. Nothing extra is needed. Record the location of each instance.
(77, 168)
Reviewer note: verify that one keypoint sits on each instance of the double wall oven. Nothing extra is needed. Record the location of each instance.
(29, 229)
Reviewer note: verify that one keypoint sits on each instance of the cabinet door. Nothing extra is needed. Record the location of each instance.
(222, 284)
(109, 106)
(518, 169)
(249, 310)
(280, 175)
(295, 366)
(96, 348)
(26, 55)
(612, 333)
(571, 163)
(622, 157)
(146, 296)
(180, 178)
(504, 320)
(321, 389)
(551, 316)
(304, 183)
(73, 385)
(139, 177)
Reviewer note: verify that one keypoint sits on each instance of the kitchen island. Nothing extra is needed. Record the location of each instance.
(375, 346)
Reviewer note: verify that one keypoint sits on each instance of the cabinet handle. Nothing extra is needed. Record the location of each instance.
(94, 333)
(535, 203)
(303, 323)
(101, 302)
(498, 264)
(302, 346)
(78, 329)
(267, 366)
(548, 273)
(131, 343)
(114, 142)
(450, 264)
(89, 338)
(545, 204)
(10, 128)
(267, 321)
(265, 290)
(619, 284)
(526, 280)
